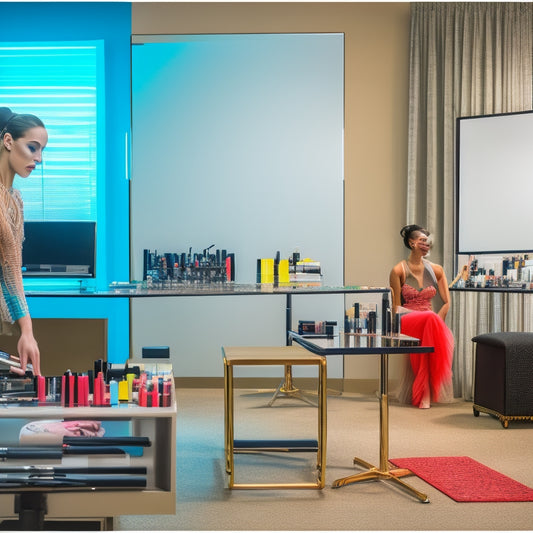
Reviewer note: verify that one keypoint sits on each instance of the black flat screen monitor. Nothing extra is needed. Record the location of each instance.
(59, 249)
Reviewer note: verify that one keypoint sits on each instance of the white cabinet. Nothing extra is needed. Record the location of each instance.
(159, 496)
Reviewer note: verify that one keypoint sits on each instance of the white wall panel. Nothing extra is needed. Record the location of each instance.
(237, 142)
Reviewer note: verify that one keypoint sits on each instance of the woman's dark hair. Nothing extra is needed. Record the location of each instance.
(17, 124)
(407, 233)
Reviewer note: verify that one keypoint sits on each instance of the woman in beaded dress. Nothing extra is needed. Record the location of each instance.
(22, 140)
(420, 293)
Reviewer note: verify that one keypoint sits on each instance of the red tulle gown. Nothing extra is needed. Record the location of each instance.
(431, 372)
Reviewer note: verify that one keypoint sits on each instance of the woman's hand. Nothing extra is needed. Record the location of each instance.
(27, 347)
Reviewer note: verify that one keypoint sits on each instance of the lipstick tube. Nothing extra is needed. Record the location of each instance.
(63, 392)
(96, 393)
(41, 389)
(142, 396)
(80, 392)
(85, 390)
(155, 393)
(101, 386)
(71, 390)
(165, 400)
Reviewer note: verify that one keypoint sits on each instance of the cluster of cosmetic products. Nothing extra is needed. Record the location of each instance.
(516, 271)
(103, 388)
(365, 318)
(181, 267)
(279, 271)
(317, 327)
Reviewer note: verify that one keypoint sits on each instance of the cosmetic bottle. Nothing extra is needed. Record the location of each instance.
(347, 324)
(356, 318)
(371, 322)
(397, 329)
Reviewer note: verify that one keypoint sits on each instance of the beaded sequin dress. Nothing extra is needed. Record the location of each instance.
(431, 372)
(12, 300)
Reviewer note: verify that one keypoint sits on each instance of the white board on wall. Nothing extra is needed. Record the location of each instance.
(237, 141)
(494, 183)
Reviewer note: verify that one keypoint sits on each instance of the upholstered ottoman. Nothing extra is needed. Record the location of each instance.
(504, 376)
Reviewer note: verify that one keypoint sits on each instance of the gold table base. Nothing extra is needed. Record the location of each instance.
(373, 472)
(287, 388)
(383, 472)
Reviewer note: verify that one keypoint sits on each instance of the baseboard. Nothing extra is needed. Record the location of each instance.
(199, 383)
(361, 386)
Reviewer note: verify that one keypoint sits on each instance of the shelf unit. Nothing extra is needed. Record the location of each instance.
(159, 496)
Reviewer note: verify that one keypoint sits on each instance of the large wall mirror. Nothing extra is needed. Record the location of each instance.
(237, 141)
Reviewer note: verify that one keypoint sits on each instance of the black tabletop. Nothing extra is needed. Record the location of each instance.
(359, 344)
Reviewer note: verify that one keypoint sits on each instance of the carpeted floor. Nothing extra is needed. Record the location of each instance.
(205, 503)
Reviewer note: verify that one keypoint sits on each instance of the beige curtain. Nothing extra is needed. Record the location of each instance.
(466, 59)
(472, 58)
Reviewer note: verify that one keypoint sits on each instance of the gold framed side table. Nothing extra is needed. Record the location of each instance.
(273, 356)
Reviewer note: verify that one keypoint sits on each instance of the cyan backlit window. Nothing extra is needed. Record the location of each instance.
(106, 26)
(62, 83)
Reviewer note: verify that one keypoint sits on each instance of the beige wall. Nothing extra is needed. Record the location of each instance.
(65, 343)
(376, 93)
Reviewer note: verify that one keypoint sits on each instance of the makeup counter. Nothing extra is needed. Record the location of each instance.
(491, 293)
(475, 311)
(88, 449)
(233, 313)
(141, 290)
(494, 271)
(180, 314)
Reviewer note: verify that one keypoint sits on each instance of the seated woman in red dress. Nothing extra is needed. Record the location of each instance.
(420, 293)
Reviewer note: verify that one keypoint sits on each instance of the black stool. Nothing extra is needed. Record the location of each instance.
(504, 376)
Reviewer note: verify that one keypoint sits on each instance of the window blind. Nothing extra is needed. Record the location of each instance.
(59, 83)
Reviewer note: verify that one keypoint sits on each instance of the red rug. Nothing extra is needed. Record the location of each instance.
(466, 480)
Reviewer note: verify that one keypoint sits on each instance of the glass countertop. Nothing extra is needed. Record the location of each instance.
(132, 290)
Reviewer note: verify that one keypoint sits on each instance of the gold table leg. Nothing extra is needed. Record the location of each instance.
(228, 420)
(384, 472)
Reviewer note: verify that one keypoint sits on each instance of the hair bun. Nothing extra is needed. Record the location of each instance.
(407, 230)
(5, 116)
